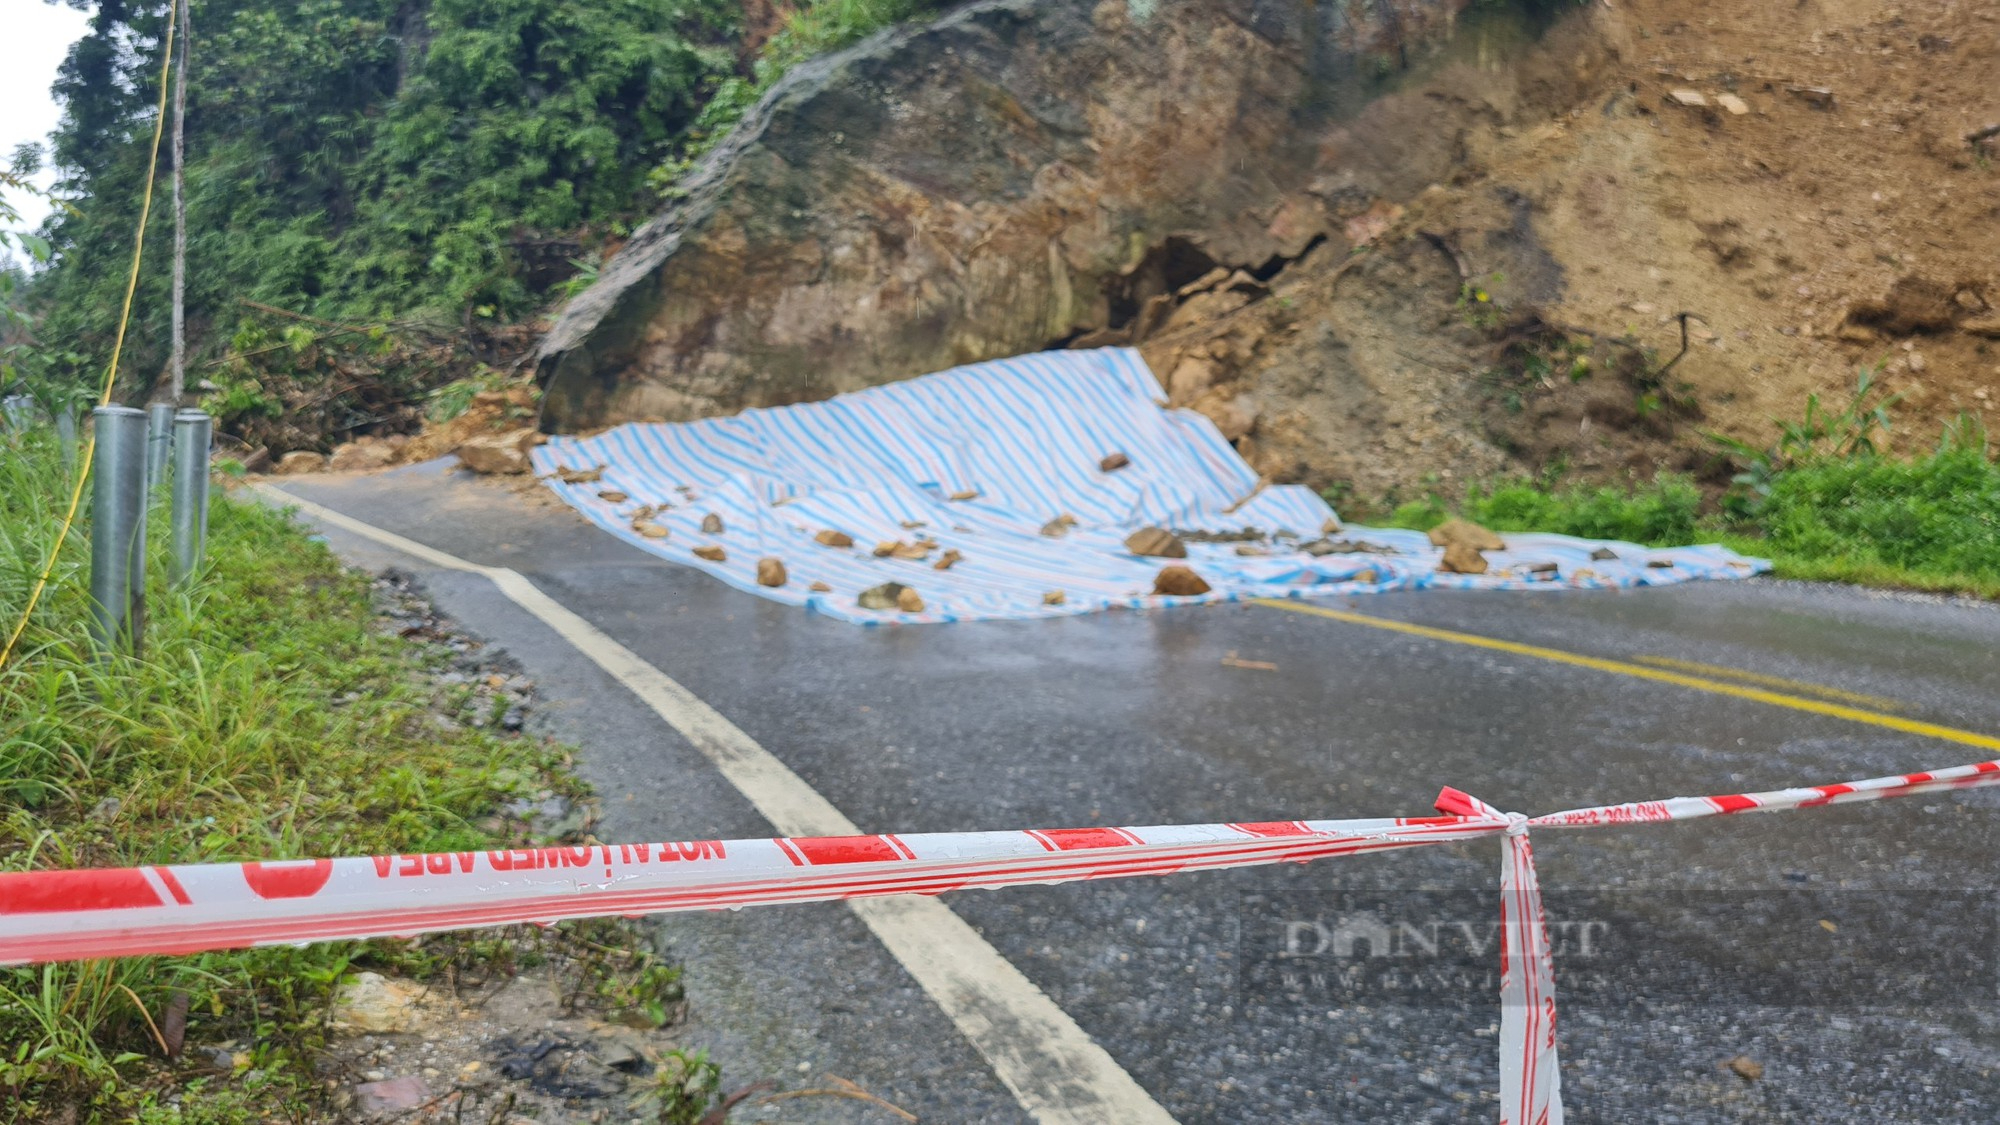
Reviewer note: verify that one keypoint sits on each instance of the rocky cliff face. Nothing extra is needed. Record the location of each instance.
(1018, 175)
(1390, 245)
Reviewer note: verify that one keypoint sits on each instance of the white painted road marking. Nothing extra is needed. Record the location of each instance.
(1056, 1071)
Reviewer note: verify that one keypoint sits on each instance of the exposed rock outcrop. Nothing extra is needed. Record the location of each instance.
(1017, 174)
(1389, 245)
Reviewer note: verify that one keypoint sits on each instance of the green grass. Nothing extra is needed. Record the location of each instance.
(268, 718)
(1860, 516)
(1661, 512)
(812, 28)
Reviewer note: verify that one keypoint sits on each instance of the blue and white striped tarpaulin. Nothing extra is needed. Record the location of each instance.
(981, 460)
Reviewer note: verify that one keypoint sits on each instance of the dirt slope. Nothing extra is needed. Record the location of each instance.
(1781, 226)
(1798, 176)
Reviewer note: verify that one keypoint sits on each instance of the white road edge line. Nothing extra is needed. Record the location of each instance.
(1053, 1068)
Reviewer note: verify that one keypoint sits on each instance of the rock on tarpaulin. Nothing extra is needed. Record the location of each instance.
(979, 463)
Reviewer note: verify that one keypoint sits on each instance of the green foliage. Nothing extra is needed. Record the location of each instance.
(1820, 435)
(828, 25)
(452, 399)
(1476, 306)
(813, 28)
(683, 1086)
(397, 163)
(1660, 513)
(1824, 501)
(1936, 515)
(363, 160)
(14, 321)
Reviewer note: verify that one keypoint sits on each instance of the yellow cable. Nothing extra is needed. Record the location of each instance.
(117, 346)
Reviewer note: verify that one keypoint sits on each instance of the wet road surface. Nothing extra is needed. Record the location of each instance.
(1848, 952)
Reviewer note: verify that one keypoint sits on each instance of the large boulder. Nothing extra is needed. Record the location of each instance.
(1018, 174)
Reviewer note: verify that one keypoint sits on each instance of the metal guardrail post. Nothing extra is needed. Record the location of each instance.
(159, 445)
(66, 435)
(18, 411)
(118, 532)
(193, 430)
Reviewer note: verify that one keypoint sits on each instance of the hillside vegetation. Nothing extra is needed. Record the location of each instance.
(382, 194)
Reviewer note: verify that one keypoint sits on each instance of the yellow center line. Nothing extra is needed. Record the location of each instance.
(1824, 692)
(1657, 675)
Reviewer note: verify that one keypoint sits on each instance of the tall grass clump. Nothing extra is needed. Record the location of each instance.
(1660, 513)
(266, 717)
(1829, 499)
(1933, 519)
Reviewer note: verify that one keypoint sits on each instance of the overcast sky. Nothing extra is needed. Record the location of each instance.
(37, 38)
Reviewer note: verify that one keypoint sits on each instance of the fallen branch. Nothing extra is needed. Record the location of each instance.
(276, 311)
(1980, 136)
(720, 1114)
(843, 1088)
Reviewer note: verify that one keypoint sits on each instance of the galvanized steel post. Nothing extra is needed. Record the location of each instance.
(193, 431)
(66, 435)
(159, 444)
(18, 411)
(118, 532)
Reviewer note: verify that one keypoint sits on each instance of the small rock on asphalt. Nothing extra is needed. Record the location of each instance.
(1746, 1068)
(391, 1095)
(361, 455)
(301, 461)
(501, 454)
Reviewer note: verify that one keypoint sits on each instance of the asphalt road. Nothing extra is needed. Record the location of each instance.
(1848, 952)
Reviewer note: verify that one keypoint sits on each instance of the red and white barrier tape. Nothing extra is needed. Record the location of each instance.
(69, 915)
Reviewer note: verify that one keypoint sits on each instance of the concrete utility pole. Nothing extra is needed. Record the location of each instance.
(118, 533)
(179, 365)
(66, 435)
